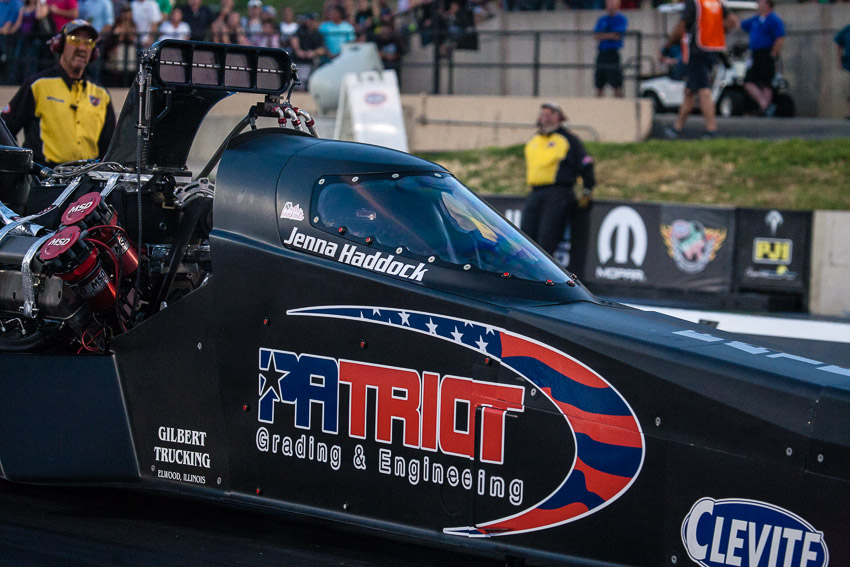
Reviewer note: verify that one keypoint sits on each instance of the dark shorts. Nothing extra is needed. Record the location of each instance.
(698, 70)
(608, 70)
(763, 69)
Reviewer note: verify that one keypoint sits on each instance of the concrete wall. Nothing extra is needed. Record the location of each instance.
(460, 122)
(809, 55)
(830, 279)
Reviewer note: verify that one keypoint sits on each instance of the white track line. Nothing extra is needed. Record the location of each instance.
(789, 327)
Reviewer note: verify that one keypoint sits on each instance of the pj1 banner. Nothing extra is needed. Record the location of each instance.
(773, 250)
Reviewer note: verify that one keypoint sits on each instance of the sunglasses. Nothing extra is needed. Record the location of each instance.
(80, 41)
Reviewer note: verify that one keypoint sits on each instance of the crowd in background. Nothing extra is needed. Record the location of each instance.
(311, 39)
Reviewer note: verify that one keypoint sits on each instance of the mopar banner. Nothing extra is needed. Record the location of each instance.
(661, 246)
(621, 238)
(772, 249)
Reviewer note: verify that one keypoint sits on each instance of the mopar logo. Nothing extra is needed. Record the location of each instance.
(749, 533)
(622, 237)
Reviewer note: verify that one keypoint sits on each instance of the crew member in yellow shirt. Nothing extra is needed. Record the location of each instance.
(555, 158)
(65, 116)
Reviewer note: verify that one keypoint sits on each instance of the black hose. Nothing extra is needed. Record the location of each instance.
(29, 343)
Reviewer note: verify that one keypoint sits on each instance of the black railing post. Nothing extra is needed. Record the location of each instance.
(451, 70)
(437, 38)
(639, 59)
(535, 89)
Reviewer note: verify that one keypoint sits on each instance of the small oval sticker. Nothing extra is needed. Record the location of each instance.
(749, 533)
(375, 97)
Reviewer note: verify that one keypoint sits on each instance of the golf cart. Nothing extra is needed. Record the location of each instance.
(667, 90)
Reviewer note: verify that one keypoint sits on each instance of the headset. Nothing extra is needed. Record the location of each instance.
(57, 42)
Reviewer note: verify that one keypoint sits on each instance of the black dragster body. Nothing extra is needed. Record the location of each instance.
(345, 331)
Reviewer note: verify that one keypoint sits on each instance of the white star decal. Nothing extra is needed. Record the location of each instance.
(376, 311)
(457, 335)
(404, 318)
(490, 330)
(432, 327)
(482, 346)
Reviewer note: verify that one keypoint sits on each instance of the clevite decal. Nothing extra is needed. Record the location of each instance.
(748, 533)
(609, 442)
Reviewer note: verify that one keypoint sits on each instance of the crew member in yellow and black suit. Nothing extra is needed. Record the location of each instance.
(555, 158)
(65, 116)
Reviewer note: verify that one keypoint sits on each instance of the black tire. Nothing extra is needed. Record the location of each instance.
(656, 102)
(784, 106)
(730, 103)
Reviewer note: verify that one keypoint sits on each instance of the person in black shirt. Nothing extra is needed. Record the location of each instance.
(199, 18)
(307, 44)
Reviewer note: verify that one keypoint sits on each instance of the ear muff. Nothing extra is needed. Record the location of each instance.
(56, 43)
(57, 46)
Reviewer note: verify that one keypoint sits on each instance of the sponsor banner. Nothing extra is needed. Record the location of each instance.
(660, 246)
(622, 240)
(698, 248)
(773, 249)
(749, 533)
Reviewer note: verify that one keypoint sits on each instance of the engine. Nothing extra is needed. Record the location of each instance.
(82, 269)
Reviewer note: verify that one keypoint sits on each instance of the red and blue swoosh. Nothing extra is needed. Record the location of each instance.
(609, 442)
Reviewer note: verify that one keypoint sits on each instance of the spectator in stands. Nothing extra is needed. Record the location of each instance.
(842, 43)
(389, 42)
(364, 18)
(308, 45)
(120, 49)
(456, 26)
(767, 33)
(230, 31)
(147, 16)
(199, 18)
(99, 13)
(174, 27)
(336, 31)
(427, 15)
(253, 22)
(62, 12)
(29, 29)
(609, 31)
(288, 26)
(9, 10)
(269, 37)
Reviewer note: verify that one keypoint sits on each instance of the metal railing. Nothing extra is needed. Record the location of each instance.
(444, 56)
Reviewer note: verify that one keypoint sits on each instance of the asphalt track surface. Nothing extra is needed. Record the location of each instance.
(757, 128)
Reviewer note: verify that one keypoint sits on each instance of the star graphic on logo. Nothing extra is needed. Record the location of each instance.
(489, 330)
(482, 346)
(376, 311)
(432, 327)
(404, 318)
(457, 335)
